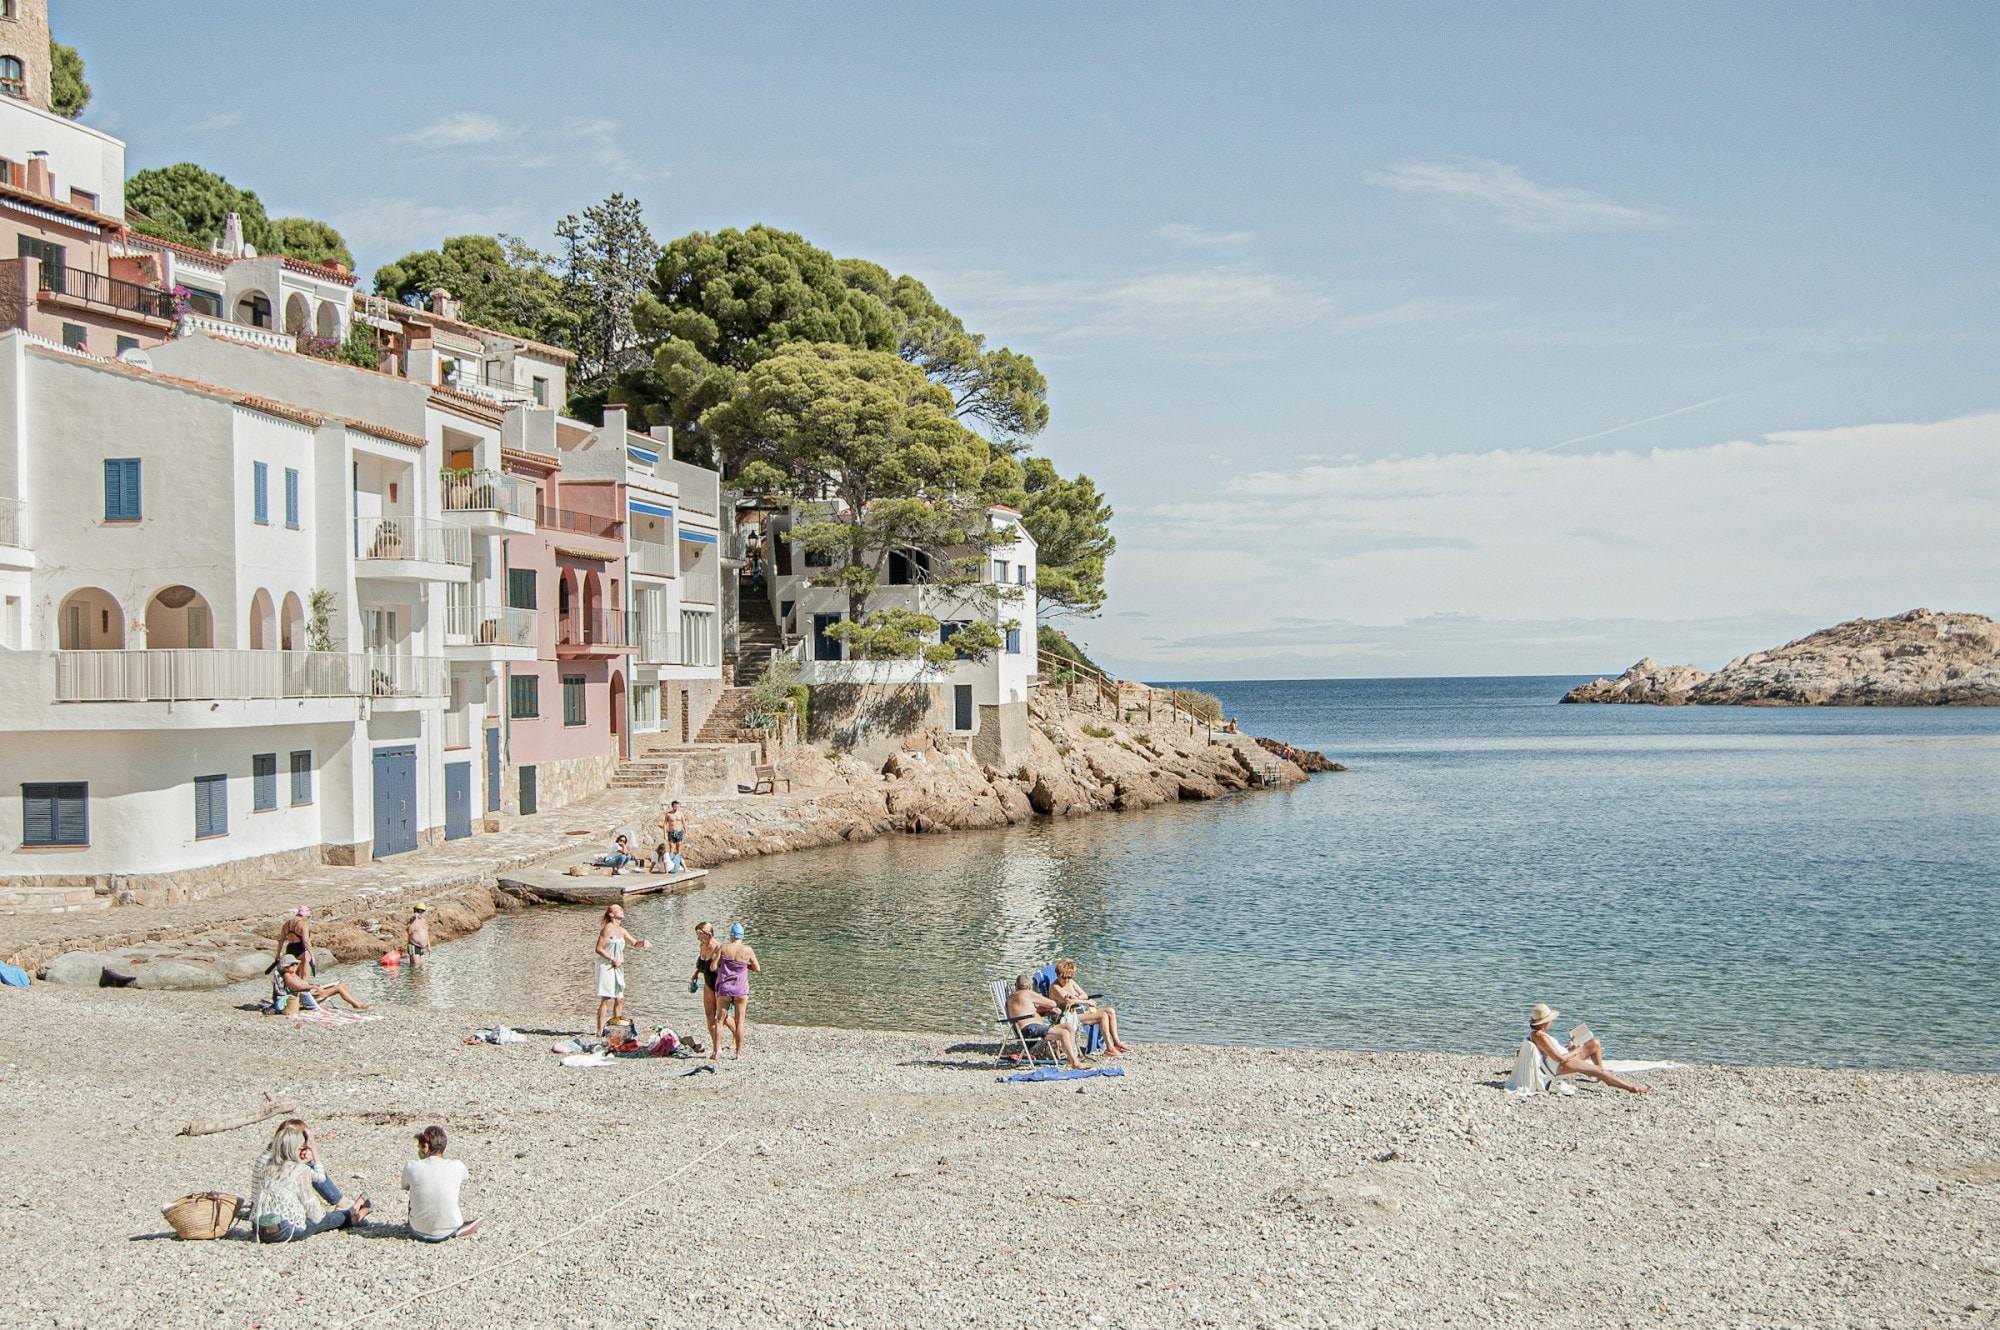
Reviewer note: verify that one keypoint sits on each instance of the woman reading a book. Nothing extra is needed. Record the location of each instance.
(1583, 1056)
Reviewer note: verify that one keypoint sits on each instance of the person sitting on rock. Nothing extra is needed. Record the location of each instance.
(295, 981)
(1584, 1059)
(1071, 994)
(1037, 1018)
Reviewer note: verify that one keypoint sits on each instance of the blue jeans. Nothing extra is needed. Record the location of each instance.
(617, 860)
(324, 1186)
(286, 1231)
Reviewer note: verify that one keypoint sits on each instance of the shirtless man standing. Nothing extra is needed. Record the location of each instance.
(675, 823)
(1036, 1018)
(418, 942)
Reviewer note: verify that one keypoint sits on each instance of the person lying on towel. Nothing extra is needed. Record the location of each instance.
(1583, 1058)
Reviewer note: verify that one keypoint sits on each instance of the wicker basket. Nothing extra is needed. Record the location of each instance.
(202, 1216)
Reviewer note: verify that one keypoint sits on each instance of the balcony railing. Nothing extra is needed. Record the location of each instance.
(699, 587)
(192, 322)
(657, 646)
(583, 524)
(203, 676)
(489, 626)
(597, 628)
(94, 288)
(413, 539)
(488, 492)
(11, 511)
(654, 557)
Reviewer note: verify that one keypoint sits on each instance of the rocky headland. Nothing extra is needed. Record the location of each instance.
(1925, 658)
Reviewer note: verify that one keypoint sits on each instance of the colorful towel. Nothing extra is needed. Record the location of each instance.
(329, 1017)
(1063, 1073)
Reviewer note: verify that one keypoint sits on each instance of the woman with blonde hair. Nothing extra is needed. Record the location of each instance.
(707, 952)
(1069, 992)
(284, 1207)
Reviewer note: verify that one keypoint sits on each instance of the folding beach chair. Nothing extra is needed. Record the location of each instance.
(1014, 1039)
(1089, 1039)
(1533, 1075)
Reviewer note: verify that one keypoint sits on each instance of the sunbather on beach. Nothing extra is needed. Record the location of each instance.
(1071, 994)
(735, 962)
(611, 942)
(284, 1204)
(295, 980)
(1585, 1059)
(1036, 1017)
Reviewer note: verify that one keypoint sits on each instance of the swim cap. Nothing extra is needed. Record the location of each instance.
(736, 932)
(305, 912)
(421, 906)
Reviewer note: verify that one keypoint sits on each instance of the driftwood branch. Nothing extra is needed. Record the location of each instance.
(270, 1108)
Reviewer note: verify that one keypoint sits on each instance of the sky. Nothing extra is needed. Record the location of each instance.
(1420, 339)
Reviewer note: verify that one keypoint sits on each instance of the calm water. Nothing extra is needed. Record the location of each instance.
(1747, 885)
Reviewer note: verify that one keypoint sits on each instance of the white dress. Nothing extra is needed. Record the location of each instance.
(610, 976)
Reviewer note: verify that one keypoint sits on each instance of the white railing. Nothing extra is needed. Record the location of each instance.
(10, 523)
(658, 646)
(488, 492)
(457, 729)
(652, 556)
(207, 675)
(192, 322)
(699, 587)
(415, 539)
(489, 626)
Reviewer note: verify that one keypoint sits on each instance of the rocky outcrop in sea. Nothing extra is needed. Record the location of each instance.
(1925, 658)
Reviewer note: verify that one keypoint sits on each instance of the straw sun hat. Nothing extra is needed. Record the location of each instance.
(1542, 1014)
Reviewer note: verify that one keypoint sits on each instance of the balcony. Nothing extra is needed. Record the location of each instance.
(270, 338)
(99, 294)
(581, 523)
(596, 633)
(653, 558)
(656, 646)
(242, 676)
(490, 632)
(412, 549)
(490, 501)
(699, 588)
(12, 511)
(493, 385)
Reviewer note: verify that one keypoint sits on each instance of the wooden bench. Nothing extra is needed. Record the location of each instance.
(767, 781)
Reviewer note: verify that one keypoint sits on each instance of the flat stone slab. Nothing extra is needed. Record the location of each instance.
(597, 887)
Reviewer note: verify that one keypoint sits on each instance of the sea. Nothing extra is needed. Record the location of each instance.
(1762, 886)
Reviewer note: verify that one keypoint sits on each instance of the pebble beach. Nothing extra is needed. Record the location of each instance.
(847, 1178)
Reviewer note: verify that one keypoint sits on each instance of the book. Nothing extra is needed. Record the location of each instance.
(1580, 1036)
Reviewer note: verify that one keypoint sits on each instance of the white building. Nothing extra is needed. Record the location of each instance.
(984, 700)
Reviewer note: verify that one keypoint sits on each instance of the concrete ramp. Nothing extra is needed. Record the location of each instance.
(596, 887)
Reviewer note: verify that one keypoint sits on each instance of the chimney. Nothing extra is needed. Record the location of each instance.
(40, 180)
(232, 236)
(614, 425)
(443, 305)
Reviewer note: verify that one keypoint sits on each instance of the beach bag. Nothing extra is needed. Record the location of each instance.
(664, 1046)
(203, 1216)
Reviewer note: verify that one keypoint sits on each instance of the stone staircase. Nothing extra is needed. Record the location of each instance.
(725, 724)
(649, 772)
(757, 636)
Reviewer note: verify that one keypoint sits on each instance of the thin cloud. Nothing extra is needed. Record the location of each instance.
(461, 129)
(1506, 194)
(1195, 235)
(221, 120)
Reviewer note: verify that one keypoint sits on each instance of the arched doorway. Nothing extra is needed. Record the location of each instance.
(292, 623)
(178, 617)
(298, 315)
(618, 721)
(566, 607)
(254, 309)
(327, 324)
(90, 619)
(263, 622)
(593, 605)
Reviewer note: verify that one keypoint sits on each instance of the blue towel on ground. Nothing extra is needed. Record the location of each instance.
(1063, 1073)
(13, 976)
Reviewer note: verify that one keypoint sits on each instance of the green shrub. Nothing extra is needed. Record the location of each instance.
(1097, 731)
(1202, 706)
(802, 704)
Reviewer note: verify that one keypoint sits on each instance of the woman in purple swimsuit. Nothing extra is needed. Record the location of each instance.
(734, 964)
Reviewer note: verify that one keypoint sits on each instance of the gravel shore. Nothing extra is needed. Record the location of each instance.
(840, 1178)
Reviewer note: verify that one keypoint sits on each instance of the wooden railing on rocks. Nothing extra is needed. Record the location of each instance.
(1088, 689)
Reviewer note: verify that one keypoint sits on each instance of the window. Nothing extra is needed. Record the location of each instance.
(260, 492)
(83, 198)
(1021, 574)
(255, 310)
(7, 9)
(521, 588)
(1000, 570)
(204, 302)
(121, 489)
(76, 337)
(54, 259)
(13, 81)
(55, 815)
(127, 344)
(573, 705)
(1013, 641)
(292, 498)
(302, 777)
(264, 782)
(524, 697)
(541, 387)
(211, 806)
(949, 629)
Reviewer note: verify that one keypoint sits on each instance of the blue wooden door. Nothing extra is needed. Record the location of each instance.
(395, 800)
(457, 800)
(961, 706)
(493, 770)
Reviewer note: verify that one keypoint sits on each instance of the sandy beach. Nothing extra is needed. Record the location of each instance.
(839, 1178)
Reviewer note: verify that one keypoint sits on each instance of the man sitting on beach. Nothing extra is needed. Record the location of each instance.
(1585, 1058)
(1038, 1018)
(433, 1182)
(295, 982)
(417, 937)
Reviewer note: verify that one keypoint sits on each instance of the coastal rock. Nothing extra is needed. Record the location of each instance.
(1919, 659)
(179, 976)
(1305, 759)
(1647, 682)
(84, 969)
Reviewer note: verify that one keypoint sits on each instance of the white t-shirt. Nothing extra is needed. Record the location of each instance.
(433, 1185)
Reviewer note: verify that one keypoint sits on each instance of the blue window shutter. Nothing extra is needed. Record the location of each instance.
(291, 497)
(264, 776)
(72, 814)
(302, 776)
(260, 483)
(55, 814)
(211, 805)
(121, 489)
(132, 488)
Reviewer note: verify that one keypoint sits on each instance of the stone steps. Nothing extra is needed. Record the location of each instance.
(725, 724)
